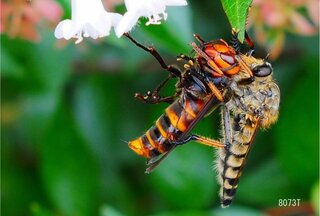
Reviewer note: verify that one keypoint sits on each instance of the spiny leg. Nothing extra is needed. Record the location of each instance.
(200, 139)
(227, 138)
(154, 162)
(209, 70)
(171, 69)
(215, 91)
(226, 126)
(243, 65)
(236, 43)
(154, 97)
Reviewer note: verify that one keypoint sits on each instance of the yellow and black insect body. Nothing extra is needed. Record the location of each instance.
(218, 74)
(200, 88)
(173, 127)
(254, 102)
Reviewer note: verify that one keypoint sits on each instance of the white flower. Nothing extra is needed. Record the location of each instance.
(89, 19)
(151, 9)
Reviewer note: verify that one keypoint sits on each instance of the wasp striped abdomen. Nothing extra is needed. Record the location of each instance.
(178, 119)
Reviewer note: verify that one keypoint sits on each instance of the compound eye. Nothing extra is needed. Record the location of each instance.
(262, 70)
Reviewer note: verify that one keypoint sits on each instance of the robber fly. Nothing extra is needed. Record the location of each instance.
(253, 102)
(200, 89)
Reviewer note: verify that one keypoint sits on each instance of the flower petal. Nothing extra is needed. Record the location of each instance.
(127, 22)
(154, 10)
(102, 24)
(175, 2)
(115, 18)
(90, 31)
(65, 29)
(89, 19)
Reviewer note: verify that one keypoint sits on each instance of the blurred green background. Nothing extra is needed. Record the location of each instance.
(66, 109)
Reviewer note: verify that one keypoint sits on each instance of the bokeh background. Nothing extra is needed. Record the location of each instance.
(66, 109)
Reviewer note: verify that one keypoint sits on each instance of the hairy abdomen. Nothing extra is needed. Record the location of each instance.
(231, 159)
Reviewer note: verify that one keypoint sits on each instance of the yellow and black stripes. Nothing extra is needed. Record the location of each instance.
(177, 120)
(231, 159)
(230, 165)
(217, 74)
(252, 105)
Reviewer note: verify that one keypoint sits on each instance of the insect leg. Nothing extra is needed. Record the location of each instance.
(236, 43)
(154, 162)
(244, 65)
(215, 91)
(171, 69)
(212, 65)
(200, 139)
(154, 97)
(250, 43)
(210, 62)
(226, 126)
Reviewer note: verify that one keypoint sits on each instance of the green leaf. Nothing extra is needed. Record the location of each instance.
(237, 13)
(69, 170)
